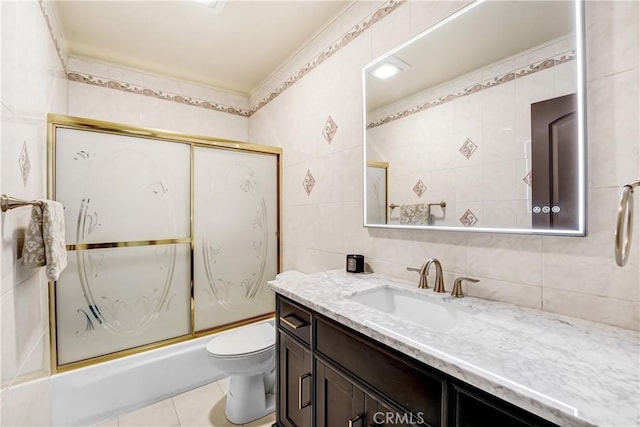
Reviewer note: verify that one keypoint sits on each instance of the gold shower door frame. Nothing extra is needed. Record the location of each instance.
(56, 121)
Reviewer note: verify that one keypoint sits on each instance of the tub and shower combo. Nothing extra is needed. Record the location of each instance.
(171, 238)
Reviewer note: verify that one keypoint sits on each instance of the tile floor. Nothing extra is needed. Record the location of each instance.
(200, 407)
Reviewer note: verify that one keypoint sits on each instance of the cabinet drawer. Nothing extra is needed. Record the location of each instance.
(293, 319)
(410, 388)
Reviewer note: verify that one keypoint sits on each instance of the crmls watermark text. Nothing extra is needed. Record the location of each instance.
(397, 418)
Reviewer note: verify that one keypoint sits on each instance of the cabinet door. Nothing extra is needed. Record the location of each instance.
(381, 415)
(294, 383)
(471, 409)
(339, 403)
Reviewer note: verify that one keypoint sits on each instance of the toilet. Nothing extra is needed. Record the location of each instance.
(247, 354)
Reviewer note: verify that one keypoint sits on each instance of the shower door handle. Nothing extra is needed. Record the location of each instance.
(301, 378)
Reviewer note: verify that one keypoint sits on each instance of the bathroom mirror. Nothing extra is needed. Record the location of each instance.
(480, 121)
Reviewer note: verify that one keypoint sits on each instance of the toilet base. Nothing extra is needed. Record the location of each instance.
(248, 400)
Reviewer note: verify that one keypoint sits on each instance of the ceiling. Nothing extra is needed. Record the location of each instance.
(234, 50)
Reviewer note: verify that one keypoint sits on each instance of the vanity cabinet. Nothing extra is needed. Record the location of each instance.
(330, 375)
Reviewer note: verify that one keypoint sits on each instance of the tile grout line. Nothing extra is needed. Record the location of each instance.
(175, 410)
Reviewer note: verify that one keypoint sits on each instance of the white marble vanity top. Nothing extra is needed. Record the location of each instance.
(569, 371)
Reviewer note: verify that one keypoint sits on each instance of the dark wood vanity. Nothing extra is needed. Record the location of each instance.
(331, 375)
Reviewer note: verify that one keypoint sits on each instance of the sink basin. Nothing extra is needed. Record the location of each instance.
(438, 314)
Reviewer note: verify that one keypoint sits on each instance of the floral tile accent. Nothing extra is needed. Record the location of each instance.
(528, 178)
(308, 182)
(25, 163)
(329, 130)
(468, 148)
(468, 219)
(419, 188)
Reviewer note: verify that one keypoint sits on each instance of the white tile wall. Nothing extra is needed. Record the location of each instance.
(117, 106)
(537, 272)
(33, 84)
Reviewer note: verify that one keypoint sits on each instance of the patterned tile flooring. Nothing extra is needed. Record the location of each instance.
(200, 407)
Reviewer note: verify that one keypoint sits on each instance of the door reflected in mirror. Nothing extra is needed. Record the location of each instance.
(480, 122)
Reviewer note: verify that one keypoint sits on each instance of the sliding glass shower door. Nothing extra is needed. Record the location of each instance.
(167, 237)
(235, 240)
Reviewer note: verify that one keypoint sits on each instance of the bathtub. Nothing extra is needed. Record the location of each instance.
(103, 391)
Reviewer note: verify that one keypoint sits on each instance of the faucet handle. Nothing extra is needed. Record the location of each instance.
(457, 286)
(422, 284)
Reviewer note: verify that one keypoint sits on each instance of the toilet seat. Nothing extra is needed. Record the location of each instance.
(243, 341)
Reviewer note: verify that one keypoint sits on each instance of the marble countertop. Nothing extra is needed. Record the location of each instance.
(569, 371)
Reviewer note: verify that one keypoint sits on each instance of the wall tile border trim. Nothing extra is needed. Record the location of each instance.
(327, 53)
(76, 76)
(54, 30)
(355, 31)
(526, 70)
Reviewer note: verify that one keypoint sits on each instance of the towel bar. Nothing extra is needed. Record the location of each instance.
(8, 203)
(624, 225)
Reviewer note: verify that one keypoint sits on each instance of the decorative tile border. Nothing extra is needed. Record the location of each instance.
(327, 53)
(52, 34)
(535, 67)
(355, 31)
(75, 76)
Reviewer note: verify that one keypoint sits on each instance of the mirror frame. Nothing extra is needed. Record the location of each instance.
(582, 159)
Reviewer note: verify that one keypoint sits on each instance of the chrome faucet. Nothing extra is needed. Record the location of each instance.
(424, 272)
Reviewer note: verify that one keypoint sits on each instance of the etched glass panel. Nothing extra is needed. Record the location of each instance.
(118, 298)
(121, 188)
(235, 241)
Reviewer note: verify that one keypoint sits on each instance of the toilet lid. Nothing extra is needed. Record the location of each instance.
(243, 340)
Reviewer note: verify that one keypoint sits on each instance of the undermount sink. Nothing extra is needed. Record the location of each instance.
(438, 314)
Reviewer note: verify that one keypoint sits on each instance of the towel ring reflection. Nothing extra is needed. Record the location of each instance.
(624, 224)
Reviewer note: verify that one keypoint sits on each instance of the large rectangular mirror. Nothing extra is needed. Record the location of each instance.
(480, 120)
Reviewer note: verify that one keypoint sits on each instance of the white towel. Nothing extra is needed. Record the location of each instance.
(44, 243)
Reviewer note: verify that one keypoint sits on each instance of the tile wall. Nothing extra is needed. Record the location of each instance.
(323, 222)
(115, 94)
(33, 84)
